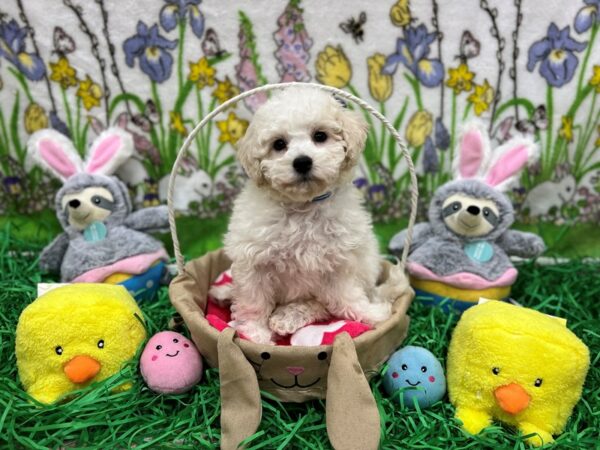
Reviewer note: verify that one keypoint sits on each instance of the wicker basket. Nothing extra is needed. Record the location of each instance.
(337, 373)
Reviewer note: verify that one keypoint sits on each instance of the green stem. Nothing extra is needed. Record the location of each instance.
(467, 111)
(67, 110)
(202, 149)
(23, 82)
(583, 137)
(453, 126)
(393, 159)
(5, 148)
(416, 87)
(180, 55)
(208, 135)
(587, 55)
(518, 102)
(80, 146)
(214, 160)
(354, 92)
(550, 114)
(371, 145)
(382, 135)
(159, 109)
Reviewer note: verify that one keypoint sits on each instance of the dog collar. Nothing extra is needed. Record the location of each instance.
(320, 198)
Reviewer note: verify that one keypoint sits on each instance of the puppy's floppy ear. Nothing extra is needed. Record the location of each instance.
(246, 147)
(354, 133)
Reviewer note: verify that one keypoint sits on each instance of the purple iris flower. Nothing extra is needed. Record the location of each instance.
(152, 50)
(442, 137)
(430, 157)
(555, 51)
(587, 15)
(412, 51)
(12, 47)
(176, 10)
(58, 124)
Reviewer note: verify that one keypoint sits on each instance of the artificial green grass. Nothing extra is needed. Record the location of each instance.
(139, 418)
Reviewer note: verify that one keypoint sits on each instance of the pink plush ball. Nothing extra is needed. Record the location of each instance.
(170, 363)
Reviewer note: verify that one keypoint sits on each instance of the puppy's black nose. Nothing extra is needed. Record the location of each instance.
(303, 164)
(473, 210)
(74, 203)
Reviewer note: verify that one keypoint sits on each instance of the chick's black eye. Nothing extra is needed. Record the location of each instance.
(322, 355)
(59, 350)
(423, 369)
(175, 341)
(265, 355)
(101, 343)
(495, 370)
(158, 347)
(279, 145)
(320, 136)
(404, 367)
(538, 382)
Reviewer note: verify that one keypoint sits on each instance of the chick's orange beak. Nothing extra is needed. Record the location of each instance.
(512, 398)
(81, 369)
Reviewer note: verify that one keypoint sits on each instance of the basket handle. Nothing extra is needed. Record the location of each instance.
(414, 194)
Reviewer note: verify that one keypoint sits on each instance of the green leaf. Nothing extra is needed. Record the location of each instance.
(14, 130)
(139, 103)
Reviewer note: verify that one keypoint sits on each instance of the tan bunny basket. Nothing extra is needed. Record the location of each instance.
(338, 373)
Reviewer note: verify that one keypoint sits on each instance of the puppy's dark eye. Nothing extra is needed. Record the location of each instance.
(279, 145)
(101, 343)
(265, 355)
(322, 355)
(404, 367)
(319, 136)
(59, 350)
(96, 200)
(538, 382)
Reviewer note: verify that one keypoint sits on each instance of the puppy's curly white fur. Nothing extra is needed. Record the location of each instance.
(301, 244)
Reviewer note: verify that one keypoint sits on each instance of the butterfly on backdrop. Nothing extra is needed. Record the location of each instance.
(469, 47)
(211, 45)
(63, 43)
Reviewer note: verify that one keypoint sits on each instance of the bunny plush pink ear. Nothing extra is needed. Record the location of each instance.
(110, 150)
(508, 161)
(54, 152)
(473, 152)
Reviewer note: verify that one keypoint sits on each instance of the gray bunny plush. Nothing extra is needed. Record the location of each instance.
(103, 240)
(462, 253)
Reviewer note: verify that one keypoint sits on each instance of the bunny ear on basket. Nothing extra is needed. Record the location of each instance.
(499, 168)
(270, 87)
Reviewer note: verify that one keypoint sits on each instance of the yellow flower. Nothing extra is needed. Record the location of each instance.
(460, 78)
(482, 98)
(63, 73)
(333, 67)
(35, 118)
(90, 93)
(400, 13)
(380, 85)
(177, 123)
(566, 130)
(202, 73)
(232, 129)
(225, 90)
(419, 127)
(595, 80)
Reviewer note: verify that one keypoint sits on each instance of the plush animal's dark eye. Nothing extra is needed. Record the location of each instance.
(322, 355)
(59, 350)
(456, 206)
(158, 347)
(486, 212)
(101, 343)
(96, 200)
(279, 145)
(495, 370)
(538, 382)
(423, 369)
(265, 355)
(320, 136)
(175, 340)
(404, 367)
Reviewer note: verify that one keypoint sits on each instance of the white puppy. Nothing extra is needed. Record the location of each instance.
(301, 244)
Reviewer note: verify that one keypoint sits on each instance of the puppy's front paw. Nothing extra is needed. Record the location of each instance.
(256, 333)
(286, 320)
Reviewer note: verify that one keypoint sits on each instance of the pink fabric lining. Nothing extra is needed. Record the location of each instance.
(133, 265)
(463, 280)
(104, 153)
(471, 154)
(507, 165)
(56, 158)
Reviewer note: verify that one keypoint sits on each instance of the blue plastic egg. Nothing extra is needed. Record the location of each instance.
(417, 374)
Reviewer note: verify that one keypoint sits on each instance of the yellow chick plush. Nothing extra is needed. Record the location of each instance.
(75, 335)
(515, 365)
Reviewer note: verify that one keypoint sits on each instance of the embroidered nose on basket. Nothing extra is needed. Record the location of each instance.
(295, 370)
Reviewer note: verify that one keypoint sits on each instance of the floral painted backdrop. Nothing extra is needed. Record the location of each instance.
(154, 68)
